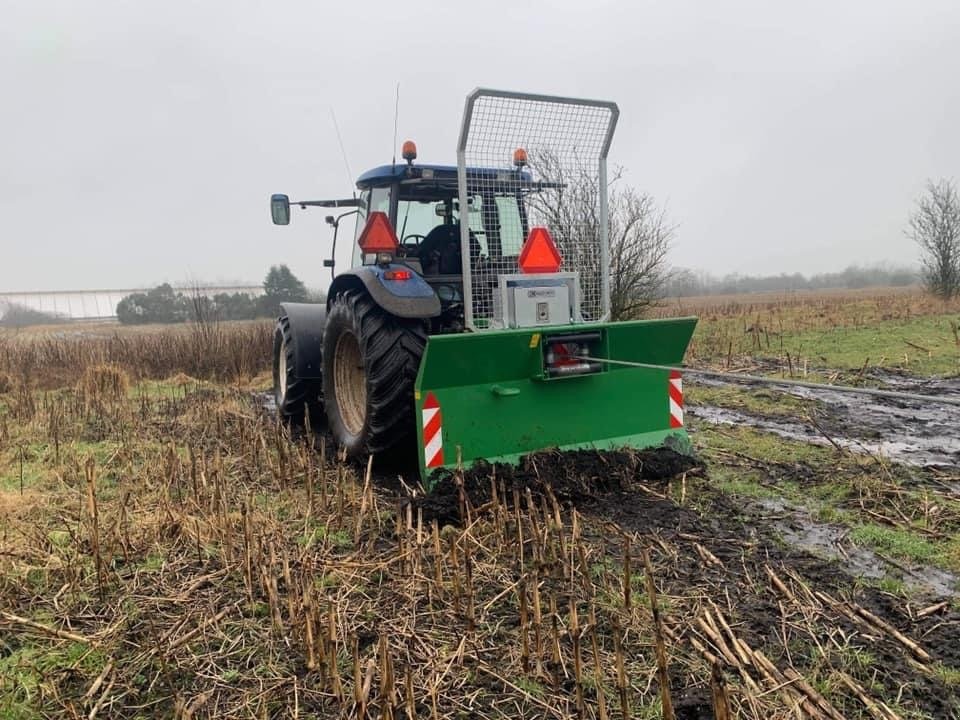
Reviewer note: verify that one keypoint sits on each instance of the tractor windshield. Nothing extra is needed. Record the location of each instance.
(416, 218)
(426, 215)
(490, 218)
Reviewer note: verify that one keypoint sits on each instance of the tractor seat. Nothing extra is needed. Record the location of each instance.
(439, 251)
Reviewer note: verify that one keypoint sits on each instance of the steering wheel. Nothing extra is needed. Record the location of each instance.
(412, 246)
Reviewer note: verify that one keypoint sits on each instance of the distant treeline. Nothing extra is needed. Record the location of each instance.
(163, 304)
(14, 315)
(685, 283)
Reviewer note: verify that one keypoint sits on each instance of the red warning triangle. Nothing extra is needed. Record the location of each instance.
(539, 254)
(378, 234)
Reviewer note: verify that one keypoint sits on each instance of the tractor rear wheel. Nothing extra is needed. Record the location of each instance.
(294, 396)
(370, 363)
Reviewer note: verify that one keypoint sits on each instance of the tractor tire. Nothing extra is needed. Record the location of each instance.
(370, 364)
(294, 396)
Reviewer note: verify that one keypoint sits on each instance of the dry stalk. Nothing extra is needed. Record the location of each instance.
(621, 671)
(53, 632)
(524, 637)
(662, 668)
(597, 662)
(577, 658)
(718, 693)
(90, 470)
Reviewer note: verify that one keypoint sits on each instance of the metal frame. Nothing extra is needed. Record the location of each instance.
(465, 127)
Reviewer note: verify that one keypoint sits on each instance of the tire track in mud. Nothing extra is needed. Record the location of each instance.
(906, 431)
(800, 530)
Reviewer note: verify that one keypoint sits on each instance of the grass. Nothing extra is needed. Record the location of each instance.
(949, 675)
(900, 543)
(756, 444)
(530, 686)
(27, 671)
(338, 538)
(902, 329)
(924, 346)
(887, 584)
(759, 401)
(19, 471)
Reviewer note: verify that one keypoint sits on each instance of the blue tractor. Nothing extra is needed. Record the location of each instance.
(473, 321)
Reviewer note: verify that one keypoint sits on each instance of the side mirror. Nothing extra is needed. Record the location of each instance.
(280, 209)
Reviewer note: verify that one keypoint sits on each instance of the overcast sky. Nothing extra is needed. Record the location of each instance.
(140, 141)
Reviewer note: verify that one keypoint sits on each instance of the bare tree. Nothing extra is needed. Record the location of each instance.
(935, 227)
(640, 237)
(639, 232)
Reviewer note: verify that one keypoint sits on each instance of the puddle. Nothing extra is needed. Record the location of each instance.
(800, 530)
(908, 431)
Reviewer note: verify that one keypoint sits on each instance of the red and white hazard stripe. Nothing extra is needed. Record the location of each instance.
(432, 432)
(676, 399)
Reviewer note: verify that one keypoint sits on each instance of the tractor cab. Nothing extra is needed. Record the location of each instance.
(423, 205)
(426, 210)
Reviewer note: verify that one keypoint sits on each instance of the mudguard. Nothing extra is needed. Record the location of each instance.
(409, 298)
(306, 326)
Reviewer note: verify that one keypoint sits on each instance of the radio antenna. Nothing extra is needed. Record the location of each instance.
(343, 150)
(396, 124)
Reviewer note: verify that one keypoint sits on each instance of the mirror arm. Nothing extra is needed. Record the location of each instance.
(335, 222)
(347, 202)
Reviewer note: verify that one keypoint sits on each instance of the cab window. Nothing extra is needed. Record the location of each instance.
(415, 219)
(512, 235)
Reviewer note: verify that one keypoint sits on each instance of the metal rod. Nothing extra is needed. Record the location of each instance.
(737, 377)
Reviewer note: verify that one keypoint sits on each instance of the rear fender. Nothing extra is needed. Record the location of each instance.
(410, 298)
(307, 321)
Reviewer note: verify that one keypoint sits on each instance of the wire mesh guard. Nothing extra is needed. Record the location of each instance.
(527, 161)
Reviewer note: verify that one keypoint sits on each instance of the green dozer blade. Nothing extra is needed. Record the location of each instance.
(498, 395)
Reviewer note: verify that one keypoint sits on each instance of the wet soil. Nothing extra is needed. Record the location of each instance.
(574, 477)
(799, 530)
(745, 542)
(633, 491)
(908, 431)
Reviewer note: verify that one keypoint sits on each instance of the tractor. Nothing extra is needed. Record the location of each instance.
(474, 320)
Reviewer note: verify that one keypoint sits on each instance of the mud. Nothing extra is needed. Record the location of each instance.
(572, 477)
(907, 431)
(799, 530)
(630, 490)
(745, 541)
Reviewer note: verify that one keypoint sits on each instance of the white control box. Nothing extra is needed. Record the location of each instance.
(537, 299)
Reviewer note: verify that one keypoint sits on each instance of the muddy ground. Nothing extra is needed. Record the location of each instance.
(721, 549)
(908, 431)
(743, 539)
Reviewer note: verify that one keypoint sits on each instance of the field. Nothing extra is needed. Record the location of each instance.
(168, 550)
